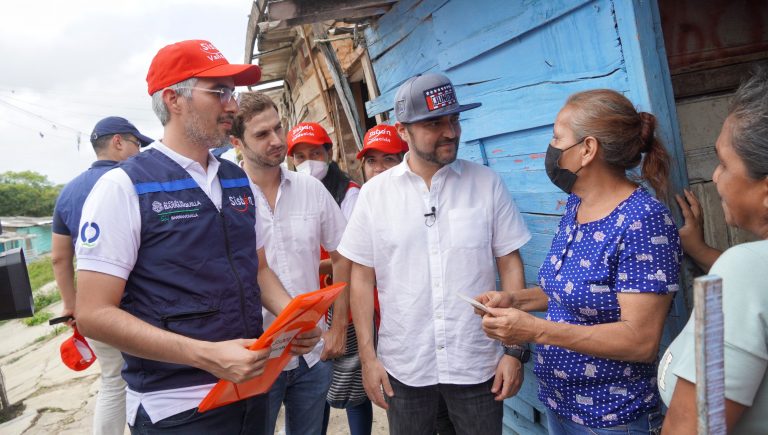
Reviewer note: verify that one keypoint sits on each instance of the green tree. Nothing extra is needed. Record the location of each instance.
(27, 193)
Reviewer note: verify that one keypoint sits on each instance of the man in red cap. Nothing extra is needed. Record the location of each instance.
(170, 265)
(310, 147)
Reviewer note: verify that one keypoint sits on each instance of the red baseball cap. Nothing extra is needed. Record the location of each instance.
(383, 138)
(75, 352)
(195, 58)
(307, 132)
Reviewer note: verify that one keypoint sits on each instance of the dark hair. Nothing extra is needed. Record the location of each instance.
(749, 116)
(250, 104)
(623, 134)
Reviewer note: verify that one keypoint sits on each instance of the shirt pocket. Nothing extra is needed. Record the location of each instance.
(468, 228)
(305, 232)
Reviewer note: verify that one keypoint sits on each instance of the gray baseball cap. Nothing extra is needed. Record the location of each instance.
(427, 96)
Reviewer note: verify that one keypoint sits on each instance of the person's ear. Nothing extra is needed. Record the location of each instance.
(235, 141)
(765, 192)
(172, 100)
(402, 131)
(589, 150)
(117, 143)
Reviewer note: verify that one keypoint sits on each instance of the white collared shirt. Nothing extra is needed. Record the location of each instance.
(428, 335)
(305, 217)
(114, 204)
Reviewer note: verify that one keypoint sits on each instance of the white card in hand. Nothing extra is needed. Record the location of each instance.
(474, 303)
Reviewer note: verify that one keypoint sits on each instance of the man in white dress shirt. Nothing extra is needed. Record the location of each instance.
(297, 215)
(171, 268)
(423, 232)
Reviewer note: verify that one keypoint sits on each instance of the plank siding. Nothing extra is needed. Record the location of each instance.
(522, 60)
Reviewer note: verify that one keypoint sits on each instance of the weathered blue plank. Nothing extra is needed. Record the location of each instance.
(540, 202)
(482, 31)
(542, 224)
(509, 109)
(395, 66)
(516, 424)
(471, 151)
(518, 143)
(529, 180)
(404, 17)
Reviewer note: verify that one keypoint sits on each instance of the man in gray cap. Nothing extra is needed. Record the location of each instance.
(114, 139)
(454, 220)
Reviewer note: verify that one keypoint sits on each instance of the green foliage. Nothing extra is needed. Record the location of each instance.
(40, 272)
(38, 318)
(42, 300)
(27, 193)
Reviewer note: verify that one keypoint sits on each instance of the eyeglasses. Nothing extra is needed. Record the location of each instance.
(133, 141)
(225, 94)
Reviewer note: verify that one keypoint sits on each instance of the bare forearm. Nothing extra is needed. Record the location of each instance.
(342, 268)
(130, 334)
(530, 299)
(704, 256)
(273, 295)
(361, 295)
(62, 256)
(618, 340)
(326, 267)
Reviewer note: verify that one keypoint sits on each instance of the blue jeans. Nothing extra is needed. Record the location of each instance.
(471, 408)
(303, 391)
(649, 423)
(247, 416)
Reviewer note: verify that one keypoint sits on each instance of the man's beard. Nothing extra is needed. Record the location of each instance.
(208, 139)
(432, 156)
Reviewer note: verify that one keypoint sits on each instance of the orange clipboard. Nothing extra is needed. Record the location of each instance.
(301, 314)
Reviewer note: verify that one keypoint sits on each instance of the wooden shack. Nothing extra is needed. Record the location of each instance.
(342, 62)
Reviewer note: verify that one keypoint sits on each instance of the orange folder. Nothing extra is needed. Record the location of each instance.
(301, 314)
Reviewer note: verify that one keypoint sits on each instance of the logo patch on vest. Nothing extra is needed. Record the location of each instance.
(176, 210)
(240, 203)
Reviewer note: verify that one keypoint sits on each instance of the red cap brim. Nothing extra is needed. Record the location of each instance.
(244, 75)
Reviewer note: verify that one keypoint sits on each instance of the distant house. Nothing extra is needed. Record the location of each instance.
(33, 234)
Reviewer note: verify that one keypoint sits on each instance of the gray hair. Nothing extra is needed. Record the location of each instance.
(181, 88)
(749, 114)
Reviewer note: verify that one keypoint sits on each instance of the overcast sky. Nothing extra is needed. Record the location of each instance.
(67, 64)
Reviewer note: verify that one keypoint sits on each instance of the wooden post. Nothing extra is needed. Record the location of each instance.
(340, 82)
(710, 371)
(3, 394)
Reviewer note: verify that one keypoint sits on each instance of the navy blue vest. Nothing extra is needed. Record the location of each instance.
(195, 274)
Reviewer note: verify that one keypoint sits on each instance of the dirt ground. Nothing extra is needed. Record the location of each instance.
(58, 400)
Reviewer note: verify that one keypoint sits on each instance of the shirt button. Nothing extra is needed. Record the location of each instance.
(441, 347)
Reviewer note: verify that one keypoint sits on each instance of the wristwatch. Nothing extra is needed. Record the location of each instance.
(522, 353)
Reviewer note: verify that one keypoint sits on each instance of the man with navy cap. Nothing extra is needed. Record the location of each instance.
(454, 222)
(171, 267)
(114, 139)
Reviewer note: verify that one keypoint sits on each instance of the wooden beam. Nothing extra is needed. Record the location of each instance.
(341, 84)
(252, 32)
(351, 14)
(289, 9)
(710, 370)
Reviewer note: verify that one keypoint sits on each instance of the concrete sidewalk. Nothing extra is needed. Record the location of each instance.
(61, 401)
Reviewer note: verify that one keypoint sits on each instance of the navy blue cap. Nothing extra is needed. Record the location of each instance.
(427, 96)
(118, 125)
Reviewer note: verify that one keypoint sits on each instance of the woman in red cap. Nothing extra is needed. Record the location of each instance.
(382, 149)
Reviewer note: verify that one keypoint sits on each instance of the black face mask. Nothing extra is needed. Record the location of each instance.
(562, 178)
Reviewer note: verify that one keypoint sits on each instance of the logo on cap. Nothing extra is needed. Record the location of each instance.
(440, 97)
(211, 52)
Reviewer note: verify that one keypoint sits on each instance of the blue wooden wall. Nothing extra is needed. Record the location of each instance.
(522, 59)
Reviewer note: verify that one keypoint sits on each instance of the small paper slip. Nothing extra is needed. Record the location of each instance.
(474, 303)
(302, 314)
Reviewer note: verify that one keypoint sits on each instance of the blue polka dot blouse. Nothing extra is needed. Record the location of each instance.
(635, 249)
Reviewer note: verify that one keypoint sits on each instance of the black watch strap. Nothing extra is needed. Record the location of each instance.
(521, 353)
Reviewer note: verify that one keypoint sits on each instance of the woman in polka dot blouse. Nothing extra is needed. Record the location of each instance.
(609, 277)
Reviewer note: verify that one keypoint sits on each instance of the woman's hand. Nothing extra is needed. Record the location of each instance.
(510, 326)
